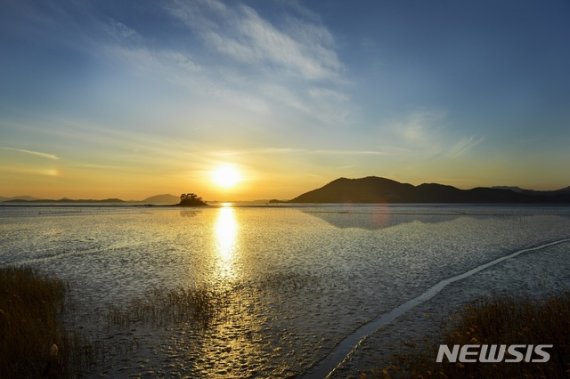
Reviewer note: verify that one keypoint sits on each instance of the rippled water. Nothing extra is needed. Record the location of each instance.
(300, 278)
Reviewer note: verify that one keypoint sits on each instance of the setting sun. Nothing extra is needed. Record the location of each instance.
(226, 176)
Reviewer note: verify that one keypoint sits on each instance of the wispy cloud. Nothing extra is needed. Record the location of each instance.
(32, 152)
(420, 127)
(429, 133)
(349, 152)
(165, 61)
(464, 145)
(287, 67)
(301, 47)
(99, 166)
(31, 171)
(289, 150)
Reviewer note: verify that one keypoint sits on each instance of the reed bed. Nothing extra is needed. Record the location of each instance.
(161, 307)
(33, 341)
(499, 320)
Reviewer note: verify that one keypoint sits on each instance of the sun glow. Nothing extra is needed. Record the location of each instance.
(226, 176)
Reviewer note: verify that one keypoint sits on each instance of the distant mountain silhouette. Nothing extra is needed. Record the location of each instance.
(165, 199)
(533, 192)
(373, 189)
(514, 189)
(65, 200)
(27, 198)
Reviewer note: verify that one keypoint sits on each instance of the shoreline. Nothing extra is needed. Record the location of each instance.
(254, 204)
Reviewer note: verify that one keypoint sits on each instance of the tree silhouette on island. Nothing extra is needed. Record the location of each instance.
(191, 200)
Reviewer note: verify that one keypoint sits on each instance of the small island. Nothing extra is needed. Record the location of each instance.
(191, 200)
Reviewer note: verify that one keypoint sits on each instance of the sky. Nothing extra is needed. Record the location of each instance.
(130, 99)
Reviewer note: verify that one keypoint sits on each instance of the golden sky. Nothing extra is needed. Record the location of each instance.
(100, 101)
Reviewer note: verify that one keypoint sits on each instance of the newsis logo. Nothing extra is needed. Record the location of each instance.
(494, 353)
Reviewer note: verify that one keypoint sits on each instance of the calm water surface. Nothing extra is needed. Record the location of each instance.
(302, 277)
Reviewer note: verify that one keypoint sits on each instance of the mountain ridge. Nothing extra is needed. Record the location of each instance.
(373, 189)
(163, 199)
(65, 200)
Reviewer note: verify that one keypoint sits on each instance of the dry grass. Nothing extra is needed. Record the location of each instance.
(501, 320)
(33, 342)
(162, 307)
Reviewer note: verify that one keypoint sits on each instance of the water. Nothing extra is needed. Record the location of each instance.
(304, 278)
(344, 349)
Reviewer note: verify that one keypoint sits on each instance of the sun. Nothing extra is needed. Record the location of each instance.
(226, 176)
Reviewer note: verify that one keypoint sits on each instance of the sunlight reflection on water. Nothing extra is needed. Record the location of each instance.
(288, 283)
(226, 233)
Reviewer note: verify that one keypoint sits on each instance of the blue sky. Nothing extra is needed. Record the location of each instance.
(133, 98)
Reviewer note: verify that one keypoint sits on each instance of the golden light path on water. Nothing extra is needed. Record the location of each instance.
(233, 343)
(226, 233)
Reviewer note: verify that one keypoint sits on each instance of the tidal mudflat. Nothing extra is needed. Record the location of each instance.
(279, 287)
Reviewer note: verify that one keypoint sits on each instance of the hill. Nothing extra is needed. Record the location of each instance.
(65, 201)
(26, 198)
(165, 199)
(373, 189)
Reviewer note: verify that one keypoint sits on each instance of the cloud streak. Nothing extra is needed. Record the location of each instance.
(286, 68)
(32, 152)
(291, 150)
(464, 145)
(428, 132)
(300, 47)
